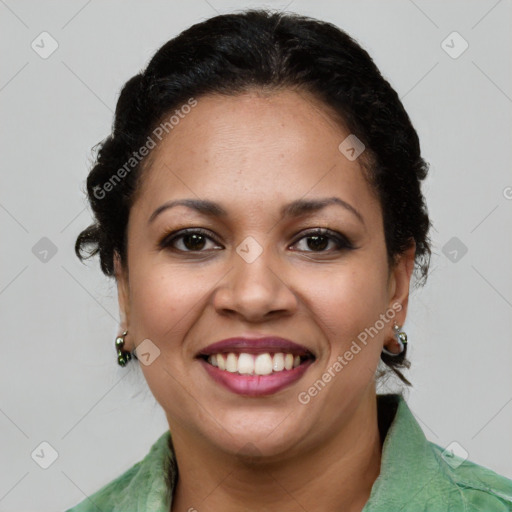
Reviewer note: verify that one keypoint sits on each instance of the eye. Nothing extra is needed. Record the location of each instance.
(318, 240)
(191, 240)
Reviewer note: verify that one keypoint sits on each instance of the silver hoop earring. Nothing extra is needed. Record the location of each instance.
(401, 339)
(123, 356)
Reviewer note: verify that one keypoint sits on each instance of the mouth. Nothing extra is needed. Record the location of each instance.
(256, 367)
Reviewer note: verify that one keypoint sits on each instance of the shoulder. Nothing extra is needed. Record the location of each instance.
(109, 494)
(417, 474)
(143, 484)
(478, 487)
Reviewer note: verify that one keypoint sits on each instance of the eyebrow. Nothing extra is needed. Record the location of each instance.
(294, 209)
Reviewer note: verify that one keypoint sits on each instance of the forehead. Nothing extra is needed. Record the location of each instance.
(254, 148)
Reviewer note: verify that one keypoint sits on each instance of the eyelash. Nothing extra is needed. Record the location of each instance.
(342, 242)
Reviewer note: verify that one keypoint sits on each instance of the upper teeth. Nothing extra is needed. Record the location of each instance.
(250, 364)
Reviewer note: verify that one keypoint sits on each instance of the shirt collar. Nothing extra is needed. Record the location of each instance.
(410, 470)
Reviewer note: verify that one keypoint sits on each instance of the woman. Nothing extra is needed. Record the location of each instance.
(259, 206)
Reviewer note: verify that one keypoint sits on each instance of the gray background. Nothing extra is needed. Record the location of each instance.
(59, 380)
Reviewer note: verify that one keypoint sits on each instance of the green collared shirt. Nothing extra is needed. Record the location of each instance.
(415, 475)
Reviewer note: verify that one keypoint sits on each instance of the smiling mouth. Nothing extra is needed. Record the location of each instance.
(267, 363)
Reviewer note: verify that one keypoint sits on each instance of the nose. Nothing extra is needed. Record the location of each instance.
(256, 290)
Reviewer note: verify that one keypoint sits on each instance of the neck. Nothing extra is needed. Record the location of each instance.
(337, 474)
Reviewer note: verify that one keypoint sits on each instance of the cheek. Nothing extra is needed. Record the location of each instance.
(163, 310)
(345, 306)
(347, 301)
(164, 300)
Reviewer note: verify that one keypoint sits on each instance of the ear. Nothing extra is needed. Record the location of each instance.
(399, 282)
(123, 291)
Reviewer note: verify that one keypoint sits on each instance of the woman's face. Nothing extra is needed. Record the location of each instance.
(257, 270)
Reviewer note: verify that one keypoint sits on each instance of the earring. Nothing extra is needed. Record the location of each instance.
(123, 356)
(401, 338)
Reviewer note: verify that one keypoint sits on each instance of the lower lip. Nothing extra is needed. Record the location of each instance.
(256, 385)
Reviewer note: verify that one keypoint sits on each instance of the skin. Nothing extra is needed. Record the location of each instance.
(253, 153)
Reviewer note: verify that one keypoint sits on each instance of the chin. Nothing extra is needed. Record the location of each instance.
(258, 433)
